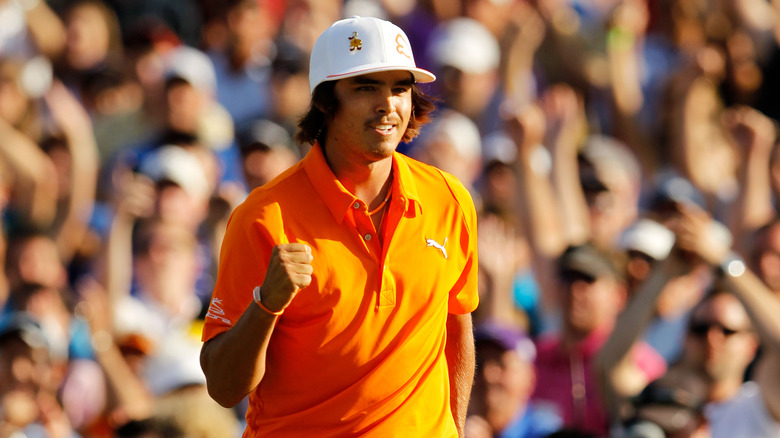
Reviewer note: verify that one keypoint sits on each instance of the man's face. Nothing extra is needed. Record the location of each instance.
(468, 93)
(374, 111)
(589, 303)
(503, 383)
(184, 105)
(719, 341)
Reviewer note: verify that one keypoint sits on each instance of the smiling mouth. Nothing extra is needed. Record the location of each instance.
(384, 128)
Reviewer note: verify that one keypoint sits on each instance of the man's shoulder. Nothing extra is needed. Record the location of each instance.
(285, 188)
(744, 414)
(288, 182)
(436, 182)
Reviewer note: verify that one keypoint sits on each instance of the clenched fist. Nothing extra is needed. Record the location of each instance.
(288, 271)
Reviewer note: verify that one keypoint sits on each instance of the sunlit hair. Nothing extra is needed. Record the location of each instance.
(313, 126)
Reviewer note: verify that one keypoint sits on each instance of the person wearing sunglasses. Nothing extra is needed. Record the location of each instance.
(723, 334)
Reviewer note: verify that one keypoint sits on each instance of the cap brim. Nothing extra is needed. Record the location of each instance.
(420, 75)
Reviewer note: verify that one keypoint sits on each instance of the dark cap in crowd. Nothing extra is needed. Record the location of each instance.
(262, 134)
(673, 403)
(675, 189)
(588, 260)
(507, 338)
(590, 181)
(289, 58)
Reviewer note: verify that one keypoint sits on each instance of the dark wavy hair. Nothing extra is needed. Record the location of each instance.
(313, 126)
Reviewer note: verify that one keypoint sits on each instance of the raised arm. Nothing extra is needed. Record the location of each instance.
(761, 304)
(498, 263)
(35, 191)
(754, 135)
(76, 127)
(620, 377)
(132, 400)
(537, 204)
(234, 361)
(625, 42)
(566, 126)
(135, 198)
(45, 27)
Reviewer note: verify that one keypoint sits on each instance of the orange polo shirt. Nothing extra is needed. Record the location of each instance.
(360, 351)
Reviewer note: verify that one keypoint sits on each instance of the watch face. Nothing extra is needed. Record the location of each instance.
(734, 267)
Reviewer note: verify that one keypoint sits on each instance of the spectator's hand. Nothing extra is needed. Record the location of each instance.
(69, 115)
(530, 25)
(136, 194)
(95, 306)
(527, 127)
(497, 244)
(696, 233)
(289, 270)
(563, 113)
(749, 129)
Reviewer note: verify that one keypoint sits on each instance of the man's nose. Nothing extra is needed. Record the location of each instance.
(386, 103)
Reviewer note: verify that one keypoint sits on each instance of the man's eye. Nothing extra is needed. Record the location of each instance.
(400, 90)
(366, 88)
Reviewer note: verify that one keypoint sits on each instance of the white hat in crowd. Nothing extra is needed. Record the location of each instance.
(193, 66)
(360, 45)
(177, 165)
(465, 44)
(456, 129)
(648, 237)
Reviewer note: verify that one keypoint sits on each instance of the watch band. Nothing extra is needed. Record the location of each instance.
(259, 301)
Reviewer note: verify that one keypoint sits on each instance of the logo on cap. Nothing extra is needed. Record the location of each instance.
(401, 47)
(355, 43)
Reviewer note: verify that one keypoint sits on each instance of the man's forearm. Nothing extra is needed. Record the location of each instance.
(234, 361)
(461, 363)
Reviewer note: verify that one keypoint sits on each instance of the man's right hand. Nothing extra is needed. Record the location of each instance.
(289, 270)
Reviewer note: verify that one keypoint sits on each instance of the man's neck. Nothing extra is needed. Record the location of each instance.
(368, 181)
(724, 389)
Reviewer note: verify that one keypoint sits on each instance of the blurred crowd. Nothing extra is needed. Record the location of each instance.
(622, 155)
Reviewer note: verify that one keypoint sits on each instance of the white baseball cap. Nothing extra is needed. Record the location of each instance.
(193, 66)
(465, 44)
(361, 45)
(180, 166)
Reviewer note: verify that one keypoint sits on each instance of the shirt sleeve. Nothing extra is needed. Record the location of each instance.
(243, 262)
(464, 297)
(652, 364)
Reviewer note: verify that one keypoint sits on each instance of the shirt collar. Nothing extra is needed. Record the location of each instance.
(339, 200)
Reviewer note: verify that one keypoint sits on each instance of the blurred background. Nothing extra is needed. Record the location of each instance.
(586, 130)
